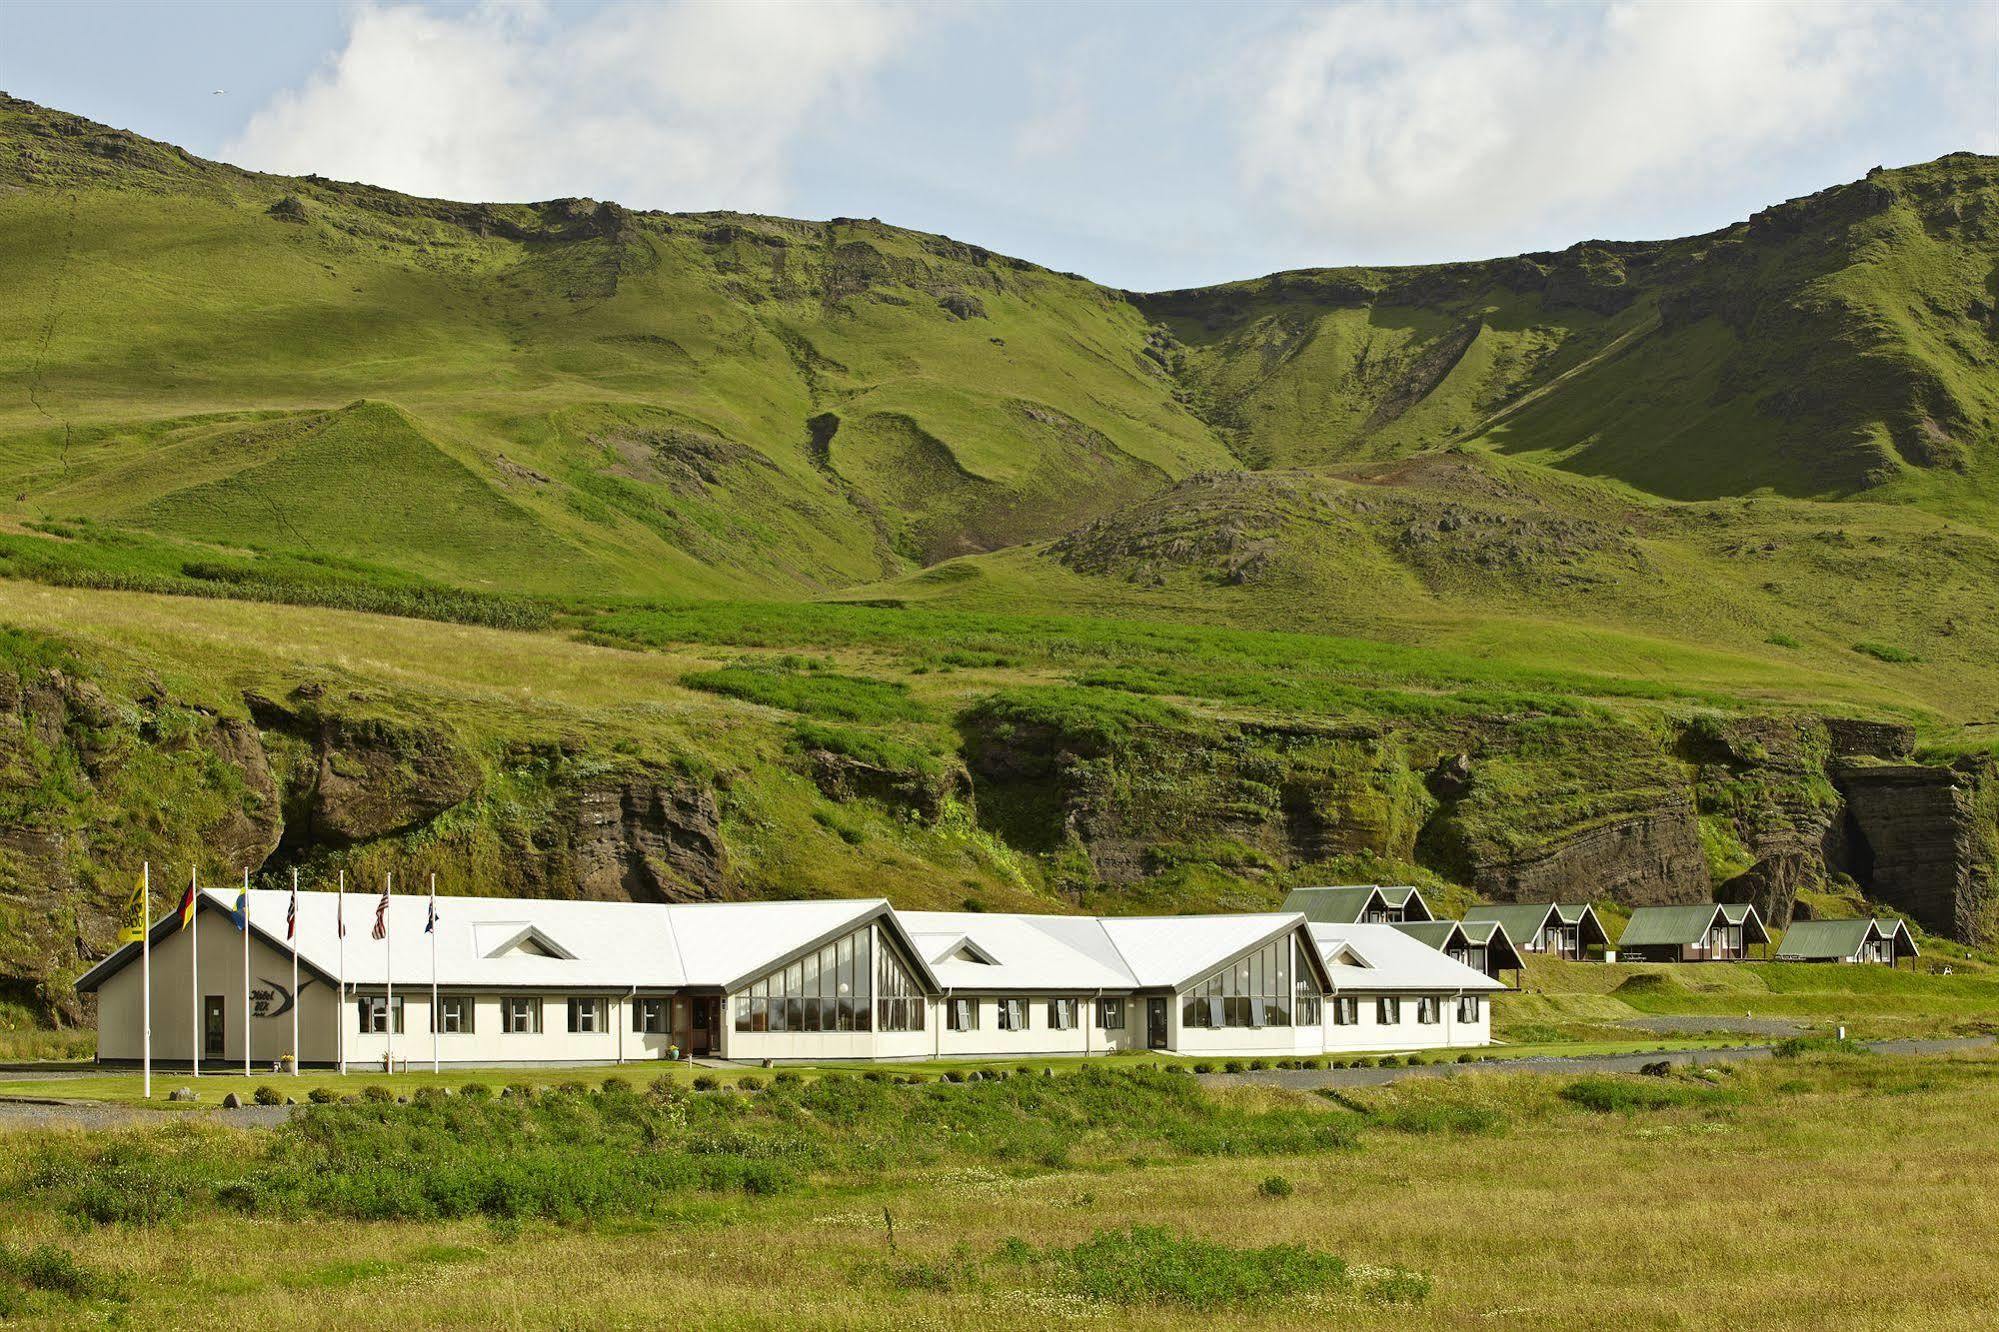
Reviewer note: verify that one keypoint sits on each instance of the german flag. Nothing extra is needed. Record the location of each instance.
(187, 904)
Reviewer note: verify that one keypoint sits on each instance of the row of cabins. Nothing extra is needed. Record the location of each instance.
(538, 981)
(1493, 938)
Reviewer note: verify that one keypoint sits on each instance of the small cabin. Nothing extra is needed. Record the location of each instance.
(1359, 904)
(1481, 945)
(1878, 941)
(1710, 932)
(1570, 931)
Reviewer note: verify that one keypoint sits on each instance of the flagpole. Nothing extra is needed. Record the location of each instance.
(194, 969)
(146, 968)
(389, 971)
(340, 1006)
(436, 1059)
(291, 925)
(245, 925)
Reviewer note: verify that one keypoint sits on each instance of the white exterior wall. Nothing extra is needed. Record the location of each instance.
(1369, 1034)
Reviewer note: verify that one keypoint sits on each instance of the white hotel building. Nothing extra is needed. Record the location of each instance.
(558, 982)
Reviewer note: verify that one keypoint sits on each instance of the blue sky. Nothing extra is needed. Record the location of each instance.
(1144, 145)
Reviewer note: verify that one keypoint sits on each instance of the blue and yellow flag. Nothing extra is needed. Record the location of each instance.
(134, 928)
(242, 912)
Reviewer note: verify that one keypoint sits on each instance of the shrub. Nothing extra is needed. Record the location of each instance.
(1151, 1265)
(872, 1075)
(1258, 1065)
(706, 1082)
(477, 1091)
(1467, 1058)
(1462, 1120)
(1389, 1061)
(322, 1096)
(1791, 1047)
(1275, 1186)
(1024, 1071)
(374, 1091)
(749, 1082)
(1203, 1066)
(267, 1096)
(616, 1086)
(54, 1270)
(1234, 1066)
(521, 1091)
(786, 1078)
(954, 1075)
(1604, 1094)
(1887, 652)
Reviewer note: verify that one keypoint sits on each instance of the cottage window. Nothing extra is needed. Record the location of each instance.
(1346, 1010)
(649, 1017)
(374, 1014)
(454, 1015)
(586, 1015)
(520, 1015)
(1388, 1011)
(1110, 1014)
(1013, 1015)
(1468, 1008)
(1428, 1010)
(962, 1015)
(1061, 1014)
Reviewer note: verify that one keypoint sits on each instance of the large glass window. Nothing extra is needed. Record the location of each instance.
(649, 1016)
(1261, 989)
(835, 988)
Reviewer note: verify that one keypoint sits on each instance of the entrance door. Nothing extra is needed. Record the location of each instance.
(1155, 1024)
(212, 1025)
(694, 1021)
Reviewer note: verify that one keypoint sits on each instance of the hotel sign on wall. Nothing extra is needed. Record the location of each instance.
(268, 999)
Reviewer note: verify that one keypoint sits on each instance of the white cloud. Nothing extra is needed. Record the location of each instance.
(1389, 126)
(686, 105)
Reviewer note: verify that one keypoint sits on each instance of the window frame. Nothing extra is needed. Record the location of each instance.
(1105, 1009)
(1388, 1010)
(1015, 1015)
(961, 1014)
(1346, 1010)
(1429, 1010)
(652, 1015)
(592, 1005)
(373, 1008)
(528, 1023)
(1063, 1014)
(463, 1023)
(1468, 1007)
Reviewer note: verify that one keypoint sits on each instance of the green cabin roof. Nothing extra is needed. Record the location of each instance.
(1678, 926)
(1331, 906)
(1436, 933)
(1824, 940)
(1519, 922)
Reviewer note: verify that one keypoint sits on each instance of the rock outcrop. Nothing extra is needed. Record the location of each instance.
(643, 837)
(1648, 857)
(1771, 886)
(1920, 838)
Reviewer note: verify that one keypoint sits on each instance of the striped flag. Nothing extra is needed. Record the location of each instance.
(291, 913)
(430, 921)
(381, 930)
(187, 904)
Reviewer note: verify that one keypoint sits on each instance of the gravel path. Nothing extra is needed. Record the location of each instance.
(18, 1113)
(1311, 1079)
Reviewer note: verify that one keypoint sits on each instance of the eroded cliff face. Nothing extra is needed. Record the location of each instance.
(1920, 838)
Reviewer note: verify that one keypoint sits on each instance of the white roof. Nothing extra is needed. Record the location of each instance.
(569, 945)
(1172, 950)
(1027, 952)
(608, 944)
(1392, 960)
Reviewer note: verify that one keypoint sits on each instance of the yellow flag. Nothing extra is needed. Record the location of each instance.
(135, 914)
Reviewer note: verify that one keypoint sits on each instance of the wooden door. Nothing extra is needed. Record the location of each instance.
(214, 1025)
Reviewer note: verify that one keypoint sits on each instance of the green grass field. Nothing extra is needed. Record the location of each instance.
(1528, 1198)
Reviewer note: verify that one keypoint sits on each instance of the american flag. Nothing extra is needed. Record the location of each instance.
(381, 930)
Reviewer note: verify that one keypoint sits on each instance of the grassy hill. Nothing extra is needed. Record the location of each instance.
(342, 529)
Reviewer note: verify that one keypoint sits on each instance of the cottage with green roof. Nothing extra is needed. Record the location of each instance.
(1359, 904)
(1880, 941)
(1559, 929)
(1481, 945)
(1708, 932)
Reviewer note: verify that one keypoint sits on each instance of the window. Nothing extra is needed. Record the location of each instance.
(962, 1015)
(649, 1017)
(1061, 1014)
(835, 988)
(374, 1010)
(586, 1015)
(1110, 1014)
(520, 1015)
(1388, 1010)
(454, 1014)
(1013, 1015)
(1254, 991)
(1468, 1008)
(1346, 1010)
(1428, 1010)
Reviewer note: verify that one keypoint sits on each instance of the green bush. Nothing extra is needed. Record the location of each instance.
(1607, 1093)
(1792, 1047)
(375, 1091)
(322, 1096)
(749, 1082)
(1234, 1066)
(54, 1271)
(786, 1077)
(706, 1082)
(954, 1075)
(1203, 1066)
(1151, 1265)
(1275, 1186)
(616, 1086)
(478, 1091)
(1462, 1120)
(267, 1095)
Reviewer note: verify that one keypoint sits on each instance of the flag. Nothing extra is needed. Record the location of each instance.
(381, 930)
(340, 914)
(430, 922)
(291, 913)
(135, 915)
(243, 905)
(187, 905)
